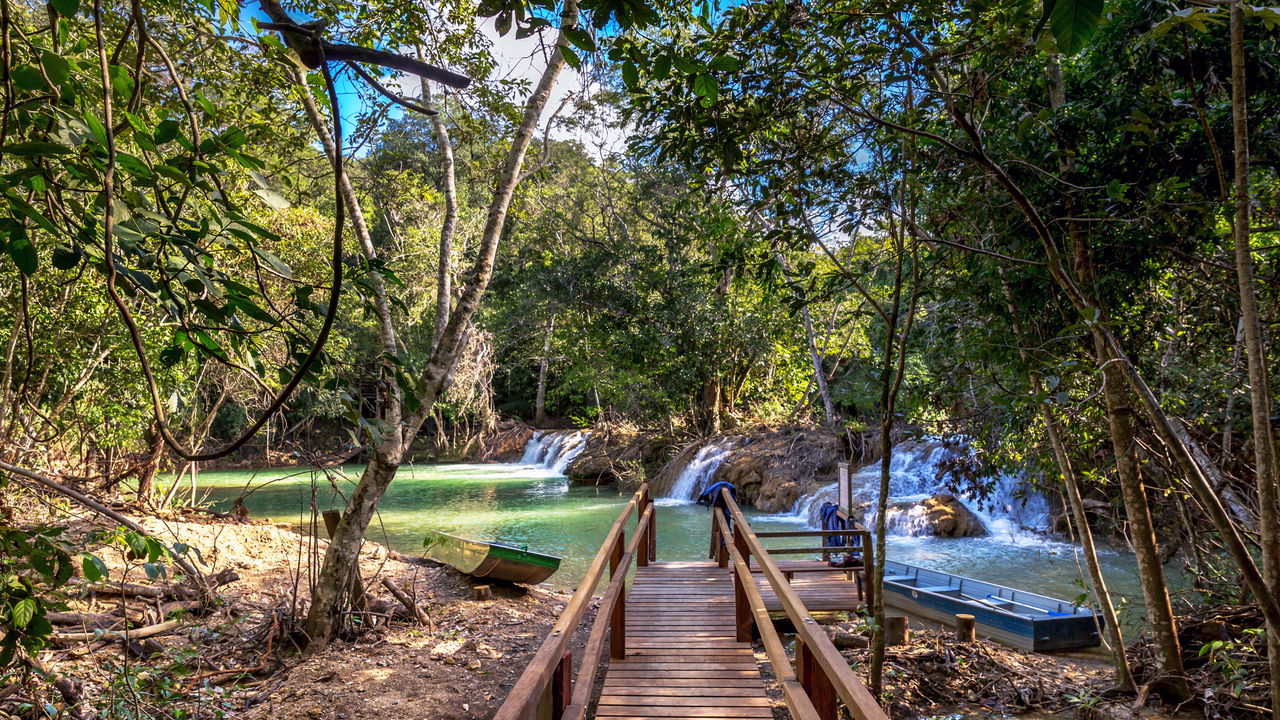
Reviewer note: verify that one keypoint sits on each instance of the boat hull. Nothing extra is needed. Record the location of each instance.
(1045, 624)
(490, 560)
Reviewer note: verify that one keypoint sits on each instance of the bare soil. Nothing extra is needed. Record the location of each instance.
(241, 658)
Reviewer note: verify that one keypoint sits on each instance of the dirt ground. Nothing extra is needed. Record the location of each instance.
(241, 660)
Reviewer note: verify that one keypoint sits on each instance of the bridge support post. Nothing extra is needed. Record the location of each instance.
(562, 684)
(653, 532)
(744, 619)
(815, 682)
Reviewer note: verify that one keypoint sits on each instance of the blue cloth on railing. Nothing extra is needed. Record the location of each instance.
(829, 515)
(710, 498)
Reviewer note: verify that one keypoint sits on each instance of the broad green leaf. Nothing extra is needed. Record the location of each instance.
(630, 75)
(166, 131)
(23, 251)
(705, 86)
(1074, 22)
(121, 81)
(23, 611)
(67, 8)
(28, 78)
(726, 63)
(93, 567)
(571, 57)
(66, 257)
(36, 149)
(56, 67)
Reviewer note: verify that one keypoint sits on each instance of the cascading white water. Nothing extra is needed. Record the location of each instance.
(914, 475)
(695, 476)
(554, 449)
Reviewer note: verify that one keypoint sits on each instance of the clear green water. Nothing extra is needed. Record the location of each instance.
(525, 505)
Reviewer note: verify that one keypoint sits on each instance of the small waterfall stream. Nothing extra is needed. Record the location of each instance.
(914, 476)
(696, 476)
(554, 449)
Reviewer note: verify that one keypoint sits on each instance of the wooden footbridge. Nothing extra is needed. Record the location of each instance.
(679, 643)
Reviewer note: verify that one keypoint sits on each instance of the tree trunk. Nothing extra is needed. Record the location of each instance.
(344, 548)
(1141, 532)
(819, 373)
(1124, 676)
(444, 272)
(540, 404)
(1255, 348)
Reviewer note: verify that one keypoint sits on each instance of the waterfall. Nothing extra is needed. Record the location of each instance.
(915, 475)
(554, 449)
(695, 476)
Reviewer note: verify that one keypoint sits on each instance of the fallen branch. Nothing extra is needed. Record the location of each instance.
(192, 573)
(136, 634)
(409, 604)
(135, 590)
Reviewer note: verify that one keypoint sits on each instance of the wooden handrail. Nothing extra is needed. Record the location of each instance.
(523, 700)
(808, 533)
(859, 701)
(614, 597)
(797, 699)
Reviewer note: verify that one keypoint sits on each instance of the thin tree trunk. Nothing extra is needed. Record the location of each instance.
(344, 547)
(1124, 676)
(819, 373)
(540, 404)
(1255, 349)
(444, 272)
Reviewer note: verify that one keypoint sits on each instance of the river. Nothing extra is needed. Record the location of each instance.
(533, 505)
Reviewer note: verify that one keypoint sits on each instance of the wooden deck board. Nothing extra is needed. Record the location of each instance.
(683, 661)
(818, 591)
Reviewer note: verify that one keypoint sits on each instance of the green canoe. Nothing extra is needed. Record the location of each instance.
(490, 559)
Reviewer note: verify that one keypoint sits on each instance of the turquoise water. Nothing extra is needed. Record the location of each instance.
(525, 505)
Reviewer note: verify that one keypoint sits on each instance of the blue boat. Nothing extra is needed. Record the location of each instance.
(1014, 617)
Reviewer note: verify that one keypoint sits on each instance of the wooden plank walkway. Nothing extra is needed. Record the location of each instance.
(682, 661)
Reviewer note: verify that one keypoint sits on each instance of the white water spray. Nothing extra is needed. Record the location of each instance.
(554, 449)
(696, 476)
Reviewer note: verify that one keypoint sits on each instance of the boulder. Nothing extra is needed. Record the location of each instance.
(772, 469)
(948, 517)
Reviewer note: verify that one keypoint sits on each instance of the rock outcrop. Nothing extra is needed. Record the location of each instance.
(617, 453)
(506, 443)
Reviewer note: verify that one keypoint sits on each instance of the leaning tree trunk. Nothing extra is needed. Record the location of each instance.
(1255, 347)
(341, 558)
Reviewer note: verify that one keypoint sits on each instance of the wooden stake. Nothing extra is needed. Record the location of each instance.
(482, 592)
(966, 628)
(895, 630)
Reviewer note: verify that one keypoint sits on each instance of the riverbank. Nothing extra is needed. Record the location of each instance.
(239, 657)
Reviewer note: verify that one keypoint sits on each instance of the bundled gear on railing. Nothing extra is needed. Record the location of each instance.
(831, 519)
(711, 498)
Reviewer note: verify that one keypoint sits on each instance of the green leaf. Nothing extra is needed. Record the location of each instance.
(571, 57)
(23, 251)
(705, 86)
(726, 63)
(28, 78)
(1074, 22)
(66, 257)
(67, 8)
(630, 74)
(121, 81)
(93, 567)
(36, 149)
(56, 67)
(23, 611)
(167, 130)
(581, 39)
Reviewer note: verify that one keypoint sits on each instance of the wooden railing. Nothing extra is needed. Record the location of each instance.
(821, 674)
(546, 689)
